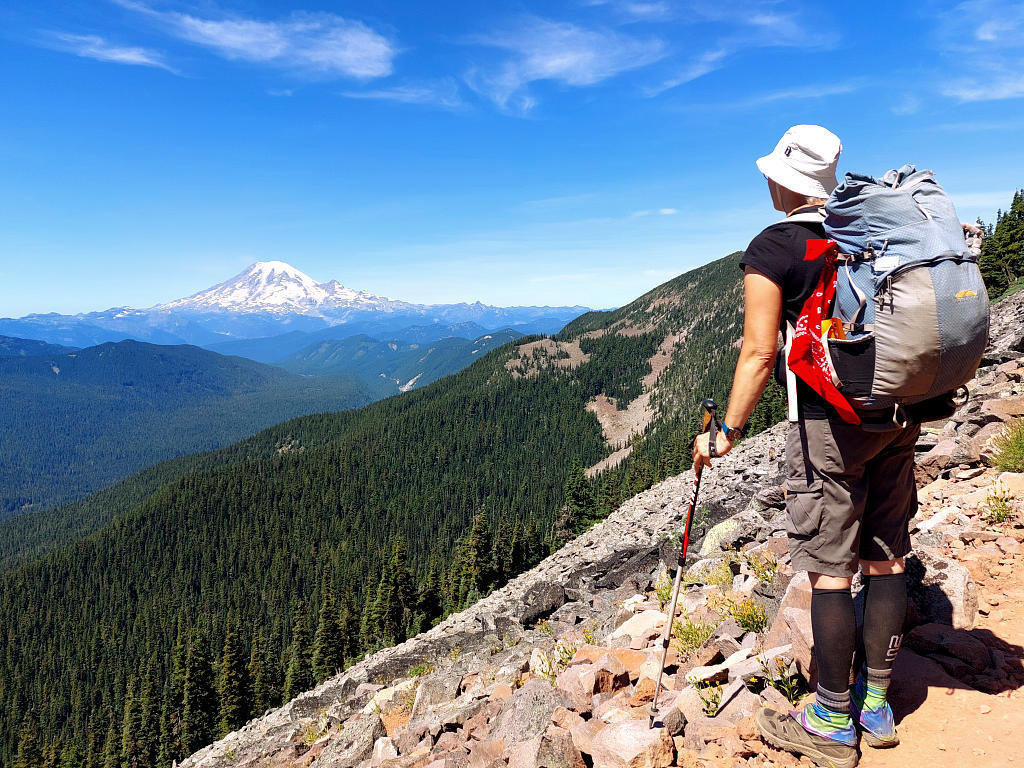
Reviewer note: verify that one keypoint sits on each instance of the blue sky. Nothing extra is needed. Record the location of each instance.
(566, 152)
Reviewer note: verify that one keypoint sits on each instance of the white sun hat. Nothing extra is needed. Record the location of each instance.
(804, 161)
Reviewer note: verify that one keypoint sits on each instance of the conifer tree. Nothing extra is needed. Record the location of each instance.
(299, 675)
(501, 553)
(93, 745)
(350, 631)
(428, 599)
(51, 755)
(261, 676)
(112, 746)
(149, 705)
(392, 607)
(172, 745)
(131, 729)
(199, 712)
(30, 753)
(479, 551)
(1002, 252)
(71, 756)
(329, 641)
(234, 692)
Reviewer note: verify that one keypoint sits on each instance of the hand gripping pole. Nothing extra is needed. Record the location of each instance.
(711, 426)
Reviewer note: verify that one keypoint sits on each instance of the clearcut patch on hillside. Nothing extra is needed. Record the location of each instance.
(619, 426)
(533, 357)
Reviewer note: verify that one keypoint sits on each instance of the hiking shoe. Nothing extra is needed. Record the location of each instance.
(786, 732)
(878, 724)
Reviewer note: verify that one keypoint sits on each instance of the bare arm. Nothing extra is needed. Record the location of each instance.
(761, 314)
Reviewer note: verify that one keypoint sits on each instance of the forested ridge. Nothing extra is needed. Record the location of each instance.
(216, 586)
(73, 422)
(1002, 250)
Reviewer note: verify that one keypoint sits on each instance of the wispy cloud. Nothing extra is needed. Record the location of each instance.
(995, 87)
(735, 26)
(794, 93)
(705, 63)
(654, 212)
(321, 44)
(96, 47)
(444, 93)
(636, 10)
(984, 40)
(908, 105)
(813, 91)
(541, 49)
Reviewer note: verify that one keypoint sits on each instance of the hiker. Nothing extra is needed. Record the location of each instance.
(850, 491)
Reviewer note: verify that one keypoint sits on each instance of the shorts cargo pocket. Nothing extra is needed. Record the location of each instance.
(804, 504)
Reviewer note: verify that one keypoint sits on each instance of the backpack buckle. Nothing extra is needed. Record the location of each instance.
(900, 417)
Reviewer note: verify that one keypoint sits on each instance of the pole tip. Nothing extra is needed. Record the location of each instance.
(709, 405)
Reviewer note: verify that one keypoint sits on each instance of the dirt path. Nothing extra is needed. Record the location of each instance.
(943, 722)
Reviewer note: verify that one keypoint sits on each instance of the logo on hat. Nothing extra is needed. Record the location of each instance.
(789, 150)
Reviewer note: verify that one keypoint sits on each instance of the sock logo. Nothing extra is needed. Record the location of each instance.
(894, 647)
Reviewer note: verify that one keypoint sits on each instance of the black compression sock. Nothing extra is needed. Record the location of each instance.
(885, 609)
(834, 625)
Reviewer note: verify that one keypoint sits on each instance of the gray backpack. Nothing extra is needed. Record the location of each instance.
(908, 290)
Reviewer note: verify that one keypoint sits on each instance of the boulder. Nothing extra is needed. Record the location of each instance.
(528, 712)
(383, 749)
(485, 753)
(354, 744)
(632, 744)
(734, 531)
(540, 601)
(434, 690)
(641, 628)
(552, 749)
(583, 734)
(566, 718)
(940, 589)
(630, 659)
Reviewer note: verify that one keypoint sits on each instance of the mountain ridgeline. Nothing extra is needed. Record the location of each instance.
(73, 422)
(173, 606)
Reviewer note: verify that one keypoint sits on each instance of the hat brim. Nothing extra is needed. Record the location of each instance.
(788, 177)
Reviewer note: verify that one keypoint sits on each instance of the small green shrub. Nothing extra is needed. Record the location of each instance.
(663, 590)
(1000, 507)
(764, 567)
(689, 635)
(710, 697)
(777, 676)
(552, 664)
(423, 668)
(1010, 448)
(749, 616)
(545, 627)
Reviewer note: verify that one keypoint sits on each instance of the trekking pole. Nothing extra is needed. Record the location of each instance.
(711, 427)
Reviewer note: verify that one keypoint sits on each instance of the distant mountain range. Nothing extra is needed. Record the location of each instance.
(404, 365)
(273, 299)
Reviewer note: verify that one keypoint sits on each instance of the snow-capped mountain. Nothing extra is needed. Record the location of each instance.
(277, 307)
(280, 288)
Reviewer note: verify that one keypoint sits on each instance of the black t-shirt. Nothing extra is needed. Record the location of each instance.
(778, 254)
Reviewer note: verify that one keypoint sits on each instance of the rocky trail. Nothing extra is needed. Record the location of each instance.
(557, 668)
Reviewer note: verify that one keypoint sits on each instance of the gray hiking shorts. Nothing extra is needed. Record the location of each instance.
(850, 494)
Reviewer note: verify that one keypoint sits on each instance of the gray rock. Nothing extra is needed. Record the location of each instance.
(353, 744)
(433, 690)
(941, 590)
(540, 601)
(528, 712)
